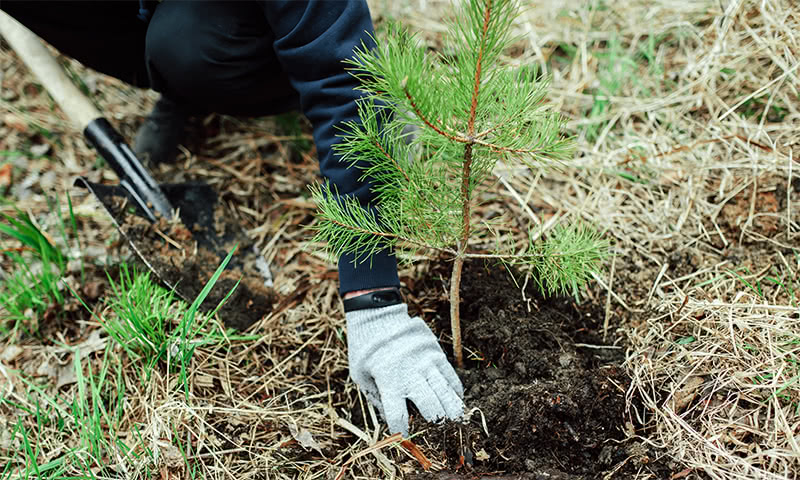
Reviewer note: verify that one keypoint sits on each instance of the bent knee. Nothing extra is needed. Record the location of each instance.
(174, 53)
(216, 55)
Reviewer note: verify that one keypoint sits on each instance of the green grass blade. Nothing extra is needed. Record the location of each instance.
(189, 318)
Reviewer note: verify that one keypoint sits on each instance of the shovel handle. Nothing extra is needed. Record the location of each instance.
(133, 177)
(112, 147)
(35, 55)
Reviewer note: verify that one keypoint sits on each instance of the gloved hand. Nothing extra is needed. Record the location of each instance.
(394, 357)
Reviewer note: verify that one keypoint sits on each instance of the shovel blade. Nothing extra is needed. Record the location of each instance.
(194, 202)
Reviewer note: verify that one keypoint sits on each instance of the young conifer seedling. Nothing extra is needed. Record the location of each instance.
(469, 109)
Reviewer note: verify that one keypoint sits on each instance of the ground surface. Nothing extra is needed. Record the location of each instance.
(192, 253)
(686, 122)
(547, 386)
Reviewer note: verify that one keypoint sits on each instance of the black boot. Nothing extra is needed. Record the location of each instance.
(158, 138)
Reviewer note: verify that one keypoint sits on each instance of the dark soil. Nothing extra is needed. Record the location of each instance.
(185, 256)
(551, 391)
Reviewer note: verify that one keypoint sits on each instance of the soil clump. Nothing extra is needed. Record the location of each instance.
(543, 382)
(182, 256)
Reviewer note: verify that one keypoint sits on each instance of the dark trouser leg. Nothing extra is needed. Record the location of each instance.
(212, 56)
(104, 35)
(209, 56)
(217, 56)
(203, 56)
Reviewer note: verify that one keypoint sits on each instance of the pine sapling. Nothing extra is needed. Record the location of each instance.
(469, 109)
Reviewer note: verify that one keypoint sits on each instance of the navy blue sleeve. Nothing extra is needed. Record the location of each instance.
(311, 40)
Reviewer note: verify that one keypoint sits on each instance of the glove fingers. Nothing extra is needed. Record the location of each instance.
(448, 397)
(427, 402)
(450, 376)
(369, 388)
(395, 413)
(375, 400)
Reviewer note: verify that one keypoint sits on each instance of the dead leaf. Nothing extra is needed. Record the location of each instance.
(204, 380)
(40, 149)
(681, 474)
(92, 290)
(92, 344)
(481, 455)
(10, 352)
(170, 455)
(686, 394)
(65, 375)
(304, 438)
(417, 453)
(46, 369)
(5, 175)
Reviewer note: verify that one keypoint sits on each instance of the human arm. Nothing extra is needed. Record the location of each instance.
(393, 357)
(311, 41)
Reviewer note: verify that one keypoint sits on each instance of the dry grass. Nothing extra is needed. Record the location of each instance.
(686, 116)
(719, 383)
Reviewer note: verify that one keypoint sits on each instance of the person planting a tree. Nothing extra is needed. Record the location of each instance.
(258, 58)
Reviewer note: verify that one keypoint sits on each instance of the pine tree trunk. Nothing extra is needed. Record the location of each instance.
(455, 277)
(466, 179)
(455, 310)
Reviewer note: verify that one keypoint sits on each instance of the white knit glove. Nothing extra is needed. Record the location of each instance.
(394, 357)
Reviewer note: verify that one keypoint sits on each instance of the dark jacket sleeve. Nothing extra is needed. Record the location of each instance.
(311, 40)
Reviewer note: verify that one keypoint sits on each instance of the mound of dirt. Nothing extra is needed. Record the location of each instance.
(184, 255)
(548, 389)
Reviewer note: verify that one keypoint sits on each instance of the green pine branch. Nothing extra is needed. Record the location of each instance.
(566, 260)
